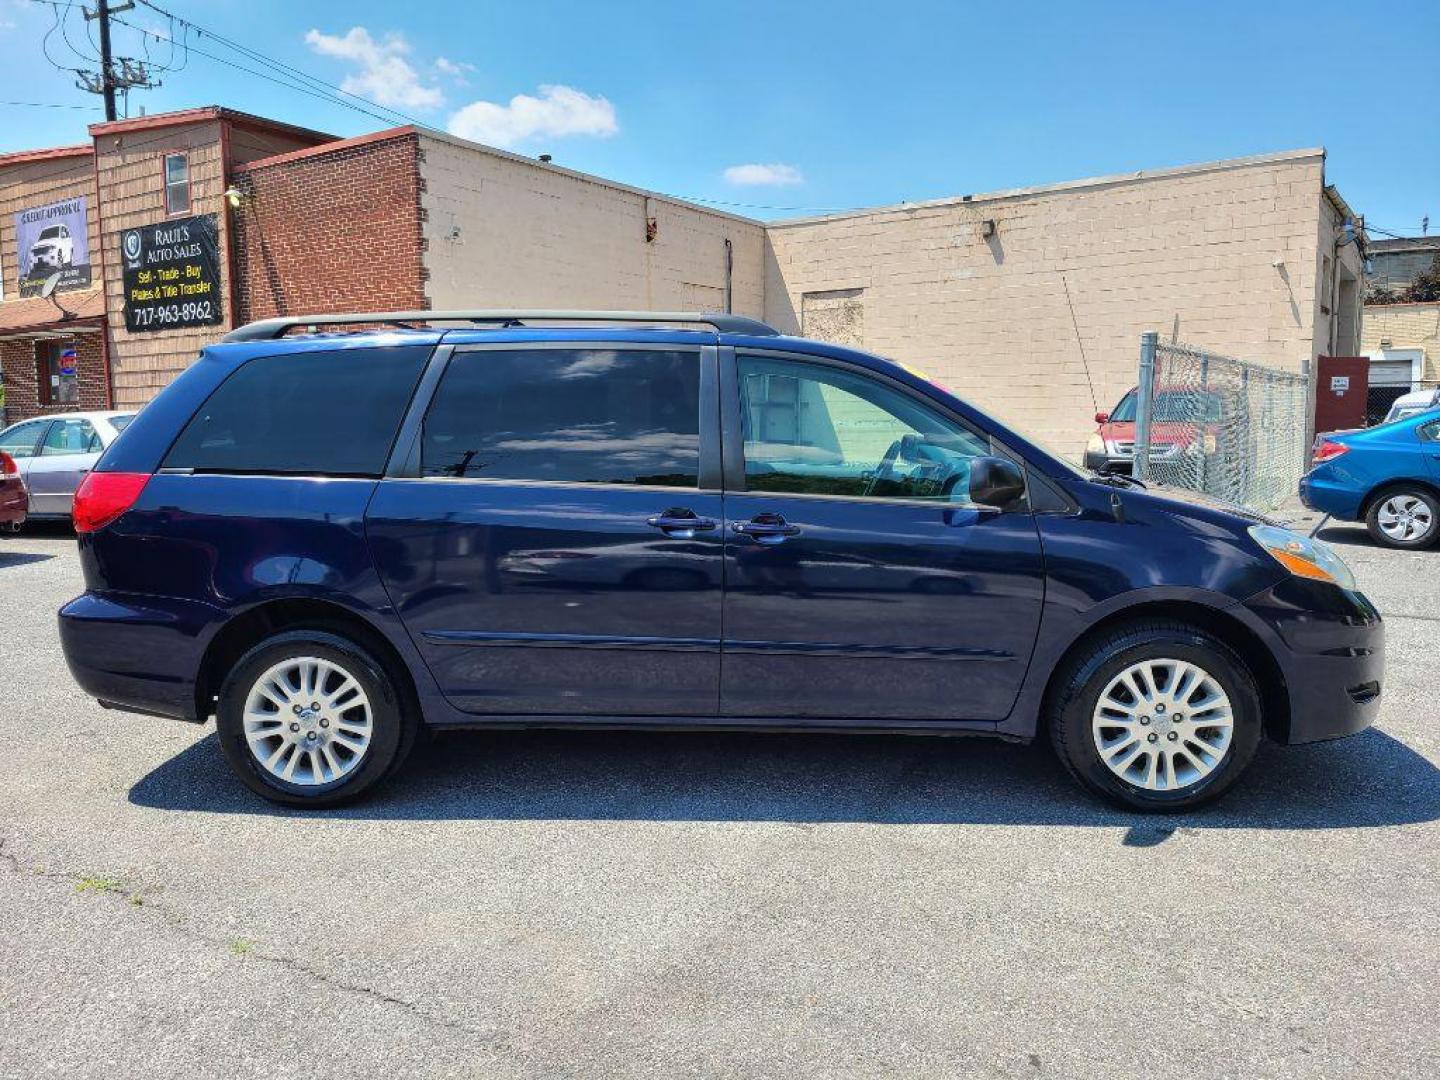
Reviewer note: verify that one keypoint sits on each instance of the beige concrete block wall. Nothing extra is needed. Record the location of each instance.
(1405, 326)
(1086, 266)
(128, 167)
(505, 231)
(38, 183)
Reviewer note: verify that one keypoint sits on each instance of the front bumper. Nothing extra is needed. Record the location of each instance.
(1330, 646)
(1108, 463)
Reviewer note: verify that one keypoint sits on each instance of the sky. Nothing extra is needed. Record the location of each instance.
(784, 109)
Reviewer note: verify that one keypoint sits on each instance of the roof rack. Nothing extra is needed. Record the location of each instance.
(270, 329)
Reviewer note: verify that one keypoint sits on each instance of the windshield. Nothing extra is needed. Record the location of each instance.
(120, 423)
(52, 233)
(1173, 407)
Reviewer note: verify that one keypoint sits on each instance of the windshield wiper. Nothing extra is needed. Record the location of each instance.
(1116, 480)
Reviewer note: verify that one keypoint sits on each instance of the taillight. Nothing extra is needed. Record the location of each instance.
(1328, 451)
(104, 496)
(8, 468)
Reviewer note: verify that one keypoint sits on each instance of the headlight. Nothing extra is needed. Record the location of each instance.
(1303, 556)
(1096, 445)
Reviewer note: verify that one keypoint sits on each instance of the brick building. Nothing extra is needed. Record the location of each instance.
(1023, 300)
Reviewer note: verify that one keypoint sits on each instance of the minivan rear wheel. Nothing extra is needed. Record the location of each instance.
(310, 718)
(1157, 716)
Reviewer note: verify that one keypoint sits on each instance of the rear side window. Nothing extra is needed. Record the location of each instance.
(306, 413)
(608, 416)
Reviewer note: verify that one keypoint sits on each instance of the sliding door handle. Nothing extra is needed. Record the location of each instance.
(680, 523)
(766, 528)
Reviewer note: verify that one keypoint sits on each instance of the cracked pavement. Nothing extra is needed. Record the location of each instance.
(616, 904)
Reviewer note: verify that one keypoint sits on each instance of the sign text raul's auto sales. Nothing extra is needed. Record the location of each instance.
(172, 274)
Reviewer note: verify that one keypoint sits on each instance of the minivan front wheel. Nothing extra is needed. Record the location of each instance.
(310, 718)
(1158, 716)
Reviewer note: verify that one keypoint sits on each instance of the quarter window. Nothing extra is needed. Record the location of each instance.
(813, 429)
(607, 416)
(308, 413)
(177, 184)
(1430, 432)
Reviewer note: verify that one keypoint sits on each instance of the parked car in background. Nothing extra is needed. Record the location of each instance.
(14, 499)
(330, 540)
(1411, 404)
(55, 452)
(1184, 421)
(1387, 476)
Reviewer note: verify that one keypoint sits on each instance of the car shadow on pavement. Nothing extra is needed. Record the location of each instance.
(1366, 781)
(20, 558)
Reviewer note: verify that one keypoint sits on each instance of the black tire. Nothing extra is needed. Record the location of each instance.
(1086, 676)
(1404, 491)
(393, 733)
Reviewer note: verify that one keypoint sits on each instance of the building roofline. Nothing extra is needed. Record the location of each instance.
(24, 157)
(603, 181)
(1064, 187)
(333, 146)
(199, 115)
(1405, 243)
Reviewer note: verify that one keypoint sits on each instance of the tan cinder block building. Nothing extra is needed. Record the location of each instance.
(1031, 302)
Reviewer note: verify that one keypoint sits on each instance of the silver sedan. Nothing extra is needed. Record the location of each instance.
(55, 452)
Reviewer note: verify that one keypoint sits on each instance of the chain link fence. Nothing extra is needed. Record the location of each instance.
(1218, 425)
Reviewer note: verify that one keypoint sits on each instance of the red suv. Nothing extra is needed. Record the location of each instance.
(1185, 420)
(14, 499)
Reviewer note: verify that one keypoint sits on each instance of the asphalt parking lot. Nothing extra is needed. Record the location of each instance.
(600, 904)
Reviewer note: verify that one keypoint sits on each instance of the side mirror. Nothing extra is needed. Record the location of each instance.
(1102, 418)
(995, 481)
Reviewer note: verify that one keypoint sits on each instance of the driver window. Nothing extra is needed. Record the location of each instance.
(818, 430)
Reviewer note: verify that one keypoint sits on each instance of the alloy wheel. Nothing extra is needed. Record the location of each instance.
(308, 721)
(1163, 724)
(1405, 518)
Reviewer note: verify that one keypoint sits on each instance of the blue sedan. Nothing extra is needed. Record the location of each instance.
(1386, 476)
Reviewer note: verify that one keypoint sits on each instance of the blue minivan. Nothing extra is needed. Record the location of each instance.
(621, 519)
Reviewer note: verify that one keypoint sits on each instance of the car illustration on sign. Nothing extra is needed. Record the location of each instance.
(54, 248)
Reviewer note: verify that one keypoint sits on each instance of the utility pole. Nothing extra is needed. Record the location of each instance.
(132, 73)
(107, 64)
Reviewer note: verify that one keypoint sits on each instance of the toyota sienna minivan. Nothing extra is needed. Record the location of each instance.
(658, 520)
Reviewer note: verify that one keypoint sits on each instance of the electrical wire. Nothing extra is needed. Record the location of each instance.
(50, 105)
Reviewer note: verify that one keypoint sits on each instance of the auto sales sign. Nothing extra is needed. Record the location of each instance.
(49, 240)
(171, 272)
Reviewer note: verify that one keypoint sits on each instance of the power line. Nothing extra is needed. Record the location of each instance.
(50, 105)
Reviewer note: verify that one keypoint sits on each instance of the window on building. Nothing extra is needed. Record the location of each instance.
(818, 430)
(177, 184)
(312, 413)
(607, 416)
(56, 373)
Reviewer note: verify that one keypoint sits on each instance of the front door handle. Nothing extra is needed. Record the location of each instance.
(766, 528)
(680, 523)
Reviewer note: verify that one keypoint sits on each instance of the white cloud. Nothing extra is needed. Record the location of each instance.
(385, 76)
(772, 175)
(558, 111)
(454, 69)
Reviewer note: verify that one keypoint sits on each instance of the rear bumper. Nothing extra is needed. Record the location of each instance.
(137, 653)
(14, 504)
(1325, 495)
(1330, 645)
